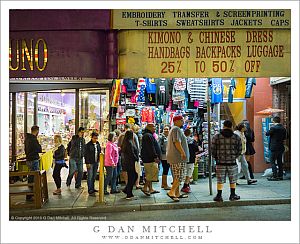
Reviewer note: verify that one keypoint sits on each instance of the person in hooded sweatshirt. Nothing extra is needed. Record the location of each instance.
(226, 147)
(32, 150)
(278, 135)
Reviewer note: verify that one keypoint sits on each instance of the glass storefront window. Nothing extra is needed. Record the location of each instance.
(56, 115)
(93, 113)
(30, 110)
(10, 127)
(20, 136)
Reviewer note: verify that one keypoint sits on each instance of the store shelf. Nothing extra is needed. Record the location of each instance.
(41, 112)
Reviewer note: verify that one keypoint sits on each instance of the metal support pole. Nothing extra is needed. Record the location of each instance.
(35, 109)
(209, 148)
(101, 178)
(25, 112)
(76, 110)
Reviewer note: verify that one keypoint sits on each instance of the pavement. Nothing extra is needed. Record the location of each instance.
(75, 201)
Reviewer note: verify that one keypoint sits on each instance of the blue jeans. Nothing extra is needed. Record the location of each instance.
(33, 165)
(91, 176)
(75, 165)
(111, 175)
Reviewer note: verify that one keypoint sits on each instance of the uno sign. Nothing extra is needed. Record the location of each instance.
(25, 54)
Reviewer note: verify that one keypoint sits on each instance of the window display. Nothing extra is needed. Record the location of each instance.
(20, 123)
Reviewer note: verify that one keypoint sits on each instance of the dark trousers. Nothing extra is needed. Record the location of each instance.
(56, 174)
(132, 177)
(165, 166)
(276, 157)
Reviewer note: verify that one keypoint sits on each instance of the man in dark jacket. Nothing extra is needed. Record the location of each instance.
(150, 154)
(32, 150)
(278, 136)
(75, 150)
(92, 156)
(226, 147)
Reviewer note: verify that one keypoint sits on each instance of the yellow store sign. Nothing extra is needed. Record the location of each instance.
(204, 53)
(203, 43)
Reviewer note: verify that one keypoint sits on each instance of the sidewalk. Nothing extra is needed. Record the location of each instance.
(75, 201)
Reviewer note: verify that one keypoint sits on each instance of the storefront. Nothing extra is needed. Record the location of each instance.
(62, 63)
(224, 53)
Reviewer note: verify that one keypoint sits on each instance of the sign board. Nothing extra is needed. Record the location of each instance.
(201, 19)
(205, 53)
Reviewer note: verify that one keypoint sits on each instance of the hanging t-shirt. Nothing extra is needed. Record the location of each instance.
(116, 93)
(232, 86)
(140, 90)
(249, 85)
(216, 90)
(162, 91)
(150, 86)
(130, 84)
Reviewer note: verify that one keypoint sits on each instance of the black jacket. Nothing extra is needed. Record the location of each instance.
(150, 148)
(73, 148)
(277, 135)
(59, 154)
(129, 155)
(89, 155)
(193, 149)
(32, 147)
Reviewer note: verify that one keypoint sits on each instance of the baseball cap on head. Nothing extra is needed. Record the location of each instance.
(177, 117)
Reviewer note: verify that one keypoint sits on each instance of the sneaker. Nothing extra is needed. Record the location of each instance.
(218, 199)
(186, 189)
(251, 182)
(234, 197)
(129, 198)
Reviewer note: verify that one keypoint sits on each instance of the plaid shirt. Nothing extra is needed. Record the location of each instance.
(225, 149)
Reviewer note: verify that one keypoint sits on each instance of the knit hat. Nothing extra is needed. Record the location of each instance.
(177, 117)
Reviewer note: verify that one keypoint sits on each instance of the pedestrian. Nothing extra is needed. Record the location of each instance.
(59, 153)
(32, 150)
(193, 150)
(127, 127)
(75, 149)
(239, 130)
(92, 158)
(278, 135)
(136, 130)
(250, 151)
(177, 156)
(119, 167)
(226, 147)
(130, 155)
(150, 154)
(111, 163)
(163, 141)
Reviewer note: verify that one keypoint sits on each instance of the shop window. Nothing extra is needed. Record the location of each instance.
(55, 115)
(30, 110)
(10, 127)
(93, 113)
(20, 136)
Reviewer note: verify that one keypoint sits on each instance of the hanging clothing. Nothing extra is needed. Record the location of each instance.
(232, 86)
(150, 86)
(130, 84)
(196, 88)
(249, 85)
(216, 90)
(116, 93)
(140, 90)
(162, 91)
